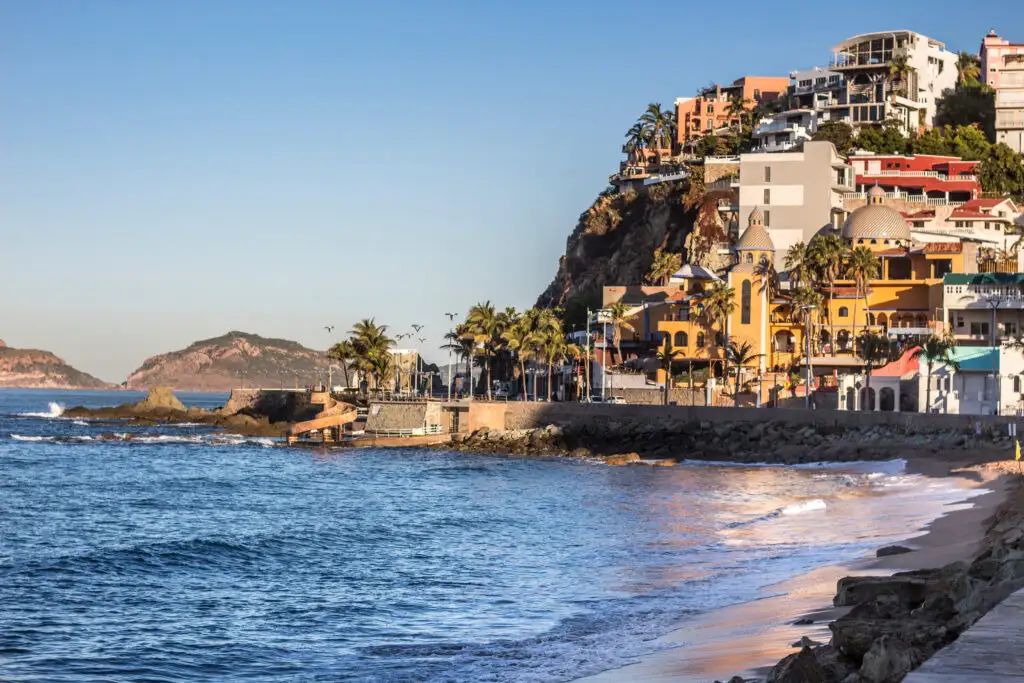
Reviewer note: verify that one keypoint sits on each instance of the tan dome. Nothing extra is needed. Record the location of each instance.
(876, 221)
(755, 238)
(875, 192)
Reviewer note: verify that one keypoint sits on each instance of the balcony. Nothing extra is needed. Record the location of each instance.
(967, 177)
(728, 205)
(909, 198)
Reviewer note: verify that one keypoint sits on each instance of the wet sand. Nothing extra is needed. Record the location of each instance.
(747, 639)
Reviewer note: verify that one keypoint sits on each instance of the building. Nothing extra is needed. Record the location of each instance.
(1002, 69)
(872, 95)
(785, 131)
(989, 222)
(983, 309)
(923, 178)
(799, 194)
(984, 381)
(811, 93)
(710, 110)
(815, 89)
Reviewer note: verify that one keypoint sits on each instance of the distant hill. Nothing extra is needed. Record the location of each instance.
(35, 369)
(224, 363)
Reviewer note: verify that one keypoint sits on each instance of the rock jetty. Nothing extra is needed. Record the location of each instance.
(631, 441)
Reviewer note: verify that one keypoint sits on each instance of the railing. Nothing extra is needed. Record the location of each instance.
(909, 198)
(722, 160)
(416, 431)
(727, 205)
(917, 174)
(779, 126)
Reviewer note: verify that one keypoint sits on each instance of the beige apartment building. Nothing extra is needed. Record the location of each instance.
(799, 193)
(1002, 69)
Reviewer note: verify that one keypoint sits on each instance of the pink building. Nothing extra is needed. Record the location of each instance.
(1002, 69)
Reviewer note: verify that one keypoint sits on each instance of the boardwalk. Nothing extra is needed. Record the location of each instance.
(989, 651)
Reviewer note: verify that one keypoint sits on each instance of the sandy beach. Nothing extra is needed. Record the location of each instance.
(749, 638)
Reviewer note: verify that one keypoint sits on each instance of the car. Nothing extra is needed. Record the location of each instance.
(617, 400)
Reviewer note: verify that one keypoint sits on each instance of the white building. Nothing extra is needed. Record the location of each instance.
(1002, 69)
(871, 95)
(983, 308)
(988, 382)
(785, 130)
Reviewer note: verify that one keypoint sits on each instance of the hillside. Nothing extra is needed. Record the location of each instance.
(223, 363)
(35, 369)
(614, 243)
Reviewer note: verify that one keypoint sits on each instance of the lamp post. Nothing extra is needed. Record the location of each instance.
(807, 358)
(416, 368)
(587, 360)
(451, 331)
(994, 303)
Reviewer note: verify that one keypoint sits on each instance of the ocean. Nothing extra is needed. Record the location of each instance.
(175, 553)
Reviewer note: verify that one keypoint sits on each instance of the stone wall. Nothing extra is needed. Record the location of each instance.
(655, 397)
(393, 416)
(277, 405)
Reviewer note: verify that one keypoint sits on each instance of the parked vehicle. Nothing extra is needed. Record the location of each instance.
(617, 400)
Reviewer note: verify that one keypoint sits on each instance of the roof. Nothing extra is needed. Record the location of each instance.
(892, 251)
(984, 203)
(846, 292)
(690, 271)
(976, 358)
(943, 248)
(755, 238)
(924, 213)
(983, 279)
(902, 366)
(876, 221)
(970, 213)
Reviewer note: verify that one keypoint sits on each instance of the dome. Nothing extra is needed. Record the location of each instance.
(756, 217)
(755, 238)
(876, 220)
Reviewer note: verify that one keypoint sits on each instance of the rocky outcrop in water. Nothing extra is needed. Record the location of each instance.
(225, 362)
(35, 369)
(752, 442)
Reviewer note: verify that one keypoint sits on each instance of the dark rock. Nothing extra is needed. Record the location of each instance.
(803, 622)
(802, 667)
(805, 642)
(854, 590)
(889, 550)
(889, 659)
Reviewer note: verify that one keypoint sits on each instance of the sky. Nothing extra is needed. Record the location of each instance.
(170, 171)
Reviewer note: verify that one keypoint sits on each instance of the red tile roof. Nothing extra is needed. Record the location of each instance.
(904, 365)
(845, 292)
(920, 215)
(943, 248)
(984, 203)
(961, 213)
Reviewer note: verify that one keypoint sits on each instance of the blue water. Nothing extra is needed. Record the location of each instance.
(184, 555)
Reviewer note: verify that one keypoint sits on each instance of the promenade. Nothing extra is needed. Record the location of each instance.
(987, 652)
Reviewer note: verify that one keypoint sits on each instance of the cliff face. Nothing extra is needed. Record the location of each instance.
(223, 363)
(35, 369)
(614, 243)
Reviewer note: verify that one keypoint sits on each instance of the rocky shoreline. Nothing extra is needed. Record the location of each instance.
(664, 441)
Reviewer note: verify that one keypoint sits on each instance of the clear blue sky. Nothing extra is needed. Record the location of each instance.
(170, 171)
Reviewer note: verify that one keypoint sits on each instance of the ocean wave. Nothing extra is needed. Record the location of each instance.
(80, 423)
(55, 410)
(804, 506)
(19, 437)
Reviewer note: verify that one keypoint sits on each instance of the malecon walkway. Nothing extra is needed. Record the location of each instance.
(987, 652)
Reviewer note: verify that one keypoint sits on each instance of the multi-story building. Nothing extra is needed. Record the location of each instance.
(874, 94)
(1002, 69)
(710, 110)
(983, 308)
(811, 93)
(815, 88)
(797, 193)
(924, 178)
(785, 131)
(990, 222)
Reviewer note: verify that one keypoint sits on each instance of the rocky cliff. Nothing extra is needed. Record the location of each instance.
(223, 363)
(614, 243)
(35, 369)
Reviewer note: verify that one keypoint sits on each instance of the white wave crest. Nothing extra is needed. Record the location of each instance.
(19, 437)
(80, 423)
(55, 410)
(805, 506)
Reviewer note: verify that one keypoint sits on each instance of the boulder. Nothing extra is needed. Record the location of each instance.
(889, 659)
(802, 667)
(160, 398)
(856, 590)
(893, 550)
(621, 459)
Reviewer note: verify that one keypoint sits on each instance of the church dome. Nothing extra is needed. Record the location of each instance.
(755, 237)
(876, 220)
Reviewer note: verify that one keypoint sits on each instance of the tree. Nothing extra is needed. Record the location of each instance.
(521, 339)
(658, 125)
(344, 353)
(740, 355)
(665, 264)
(665, 358)
(899, 69)
(1002, 171)
(769, 278)
(874, 349)
(936, 349)
(799, 262)
(738, 108)
(720, 303)
(487, 326)
(827, 252)
(371, 348)
(931, 141)
(636, 140)
(862, 267)
(968, 68)
(556, 351)
(968, 142)
(967, 106)
(805, 301)
(618, 318)
(886, 138)
(839, 133)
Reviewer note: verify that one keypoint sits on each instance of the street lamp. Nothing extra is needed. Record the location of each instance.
(451, 320)
(807, 359)
(416, 370)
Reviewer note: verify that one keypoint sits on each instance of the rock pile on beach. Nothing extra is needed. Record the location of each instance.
(897, 622)
(751, 442)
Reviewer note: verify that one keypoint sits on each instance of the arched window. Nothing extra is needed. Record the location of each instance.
(749, 258)
(700, 340)
(745, 303)
(681, 339)
(844, 312)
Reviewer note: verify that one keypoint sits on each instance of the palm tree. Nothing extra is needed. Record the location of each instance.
(556, 351)
(805, 301)
(827, 253)
(740, 355)
(664, 266)
(863, 267)
(720, 303)
(874, 350)
(344, 353)
(968, 69)
(738, 108)
(636, 141)
(769, 277)
(372, 349)
(658, 125)
(665, 358)
(899, 69)
(618, 318)
(936, 348)
(487, 326)
(799, 260)
(521, 339)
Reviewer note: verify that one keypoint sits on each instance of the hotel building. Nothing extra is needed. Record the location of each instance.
(1002, 69)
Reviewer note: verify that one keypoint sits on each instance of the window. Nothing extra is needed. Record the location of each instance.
(1010, 329)
(767, 174)
(943, 266)
(844, 312)
(959, 320)
(681, 339)
(745, 303)
(719, 339)
(749, 258)
(874, 241)
(711, 124)
(979, 329)
(805, 83)
(1016, 384)
(700, 340)
(757, 94)
(767, 219)
(767, 196)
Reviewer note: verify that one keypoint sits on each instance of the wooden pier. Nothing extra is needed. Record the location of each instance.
(987, 652)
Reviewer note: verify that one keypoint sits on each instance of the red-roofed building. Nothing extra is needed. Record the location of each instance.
(932, 179)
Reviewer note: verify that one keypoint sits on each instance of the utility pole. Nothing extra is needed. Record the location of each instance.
(416, 370)
(588, 357)
(807, 358)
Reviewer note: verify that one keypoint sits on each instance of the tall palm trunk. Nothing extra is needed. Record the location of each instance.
(867, 390)
(831, 318)
(522, 374)
(928, 391)
(549, 380)
(856, 300)
(487, 366)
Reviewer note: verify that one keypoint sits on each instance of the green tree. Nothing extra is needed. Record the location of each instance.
(555, 348)
(886, 138)
(618, 318)
(862, 267)
(899, 70)
(969, 143)
(874, 351)
(372, 350)
(840, 134)
(968, 69)
(739, 356)
(827, 253)
(658, 125)
(768, 278)
(344, 353)
(521, 339)
(664, 265)
(666, 357)
(799, 262)
(802, 298)
(936, 349)
(966, 106)
(720, 303)
(931, 141)
(487, 326)
(1002, 171)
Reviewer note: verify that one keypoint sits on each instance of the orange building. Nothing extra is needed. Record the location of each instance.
(709, 111)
